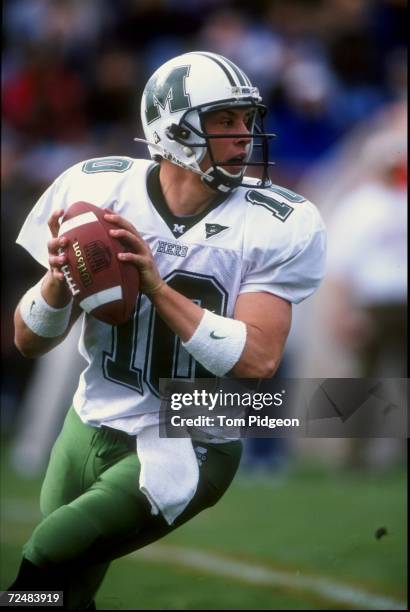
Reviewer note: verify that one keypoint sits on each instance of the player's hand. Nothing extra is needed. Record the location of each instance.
(56, 255)
(54, 288)
(139, 254)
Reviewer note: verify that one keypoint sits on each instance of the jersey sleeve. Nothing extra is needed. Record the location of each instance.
(74, 185)
(287, 260)
(35, 232)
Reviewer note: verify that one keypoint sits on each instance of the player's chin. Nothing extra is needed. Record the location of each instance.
(232, 169)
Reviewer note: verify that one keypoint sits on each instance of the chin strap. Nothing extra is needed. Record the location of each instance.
(218, 179)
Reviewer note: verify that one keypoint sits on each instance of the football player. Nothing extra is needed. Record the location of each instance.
(222, 256)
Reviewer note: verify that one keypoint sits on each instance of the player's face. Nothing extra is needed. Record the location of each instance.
(229, 149)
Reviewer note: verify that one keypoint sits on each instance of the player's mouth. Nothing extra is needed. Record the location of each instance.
(234, 164)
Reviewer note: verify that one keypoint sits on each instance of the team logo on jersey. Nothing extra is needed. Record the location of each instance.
(178, 229)
(211, 229)
(172, 248)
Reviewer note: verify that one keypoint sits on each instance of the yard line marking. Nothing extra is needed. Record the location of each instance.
(265, 576)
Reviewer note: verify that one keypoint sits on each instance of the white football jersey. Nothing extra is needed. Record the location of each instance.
(270, 240)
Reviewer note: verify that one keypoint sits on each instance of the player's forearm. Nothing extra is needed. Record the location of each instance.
(184, 316)
(31, 343)
(179, 313)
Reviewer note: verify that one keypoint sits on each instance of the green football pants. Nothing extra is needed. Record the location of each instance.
(93, 509)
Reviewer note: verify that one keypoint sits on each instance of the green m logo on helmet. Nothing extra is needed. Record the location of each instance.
(171, 90)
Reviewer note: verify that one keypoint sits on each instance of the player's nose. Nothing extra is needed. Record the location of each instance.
(244, 132)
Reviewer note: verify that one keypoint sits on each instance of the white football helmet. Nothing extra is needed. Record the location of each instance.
(173, 105)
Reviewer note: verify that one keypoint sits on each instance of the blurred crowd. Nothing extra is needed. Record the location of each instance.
(73, 74)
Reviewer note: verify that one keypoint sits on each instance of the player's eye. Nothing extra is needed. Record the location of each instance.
(249, 120)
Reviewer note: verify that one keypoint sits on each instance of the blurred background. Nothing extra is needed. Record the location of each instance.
(333, 74)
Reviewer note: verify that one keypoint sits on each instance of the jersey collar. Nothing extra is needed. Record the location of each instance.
(178, 225)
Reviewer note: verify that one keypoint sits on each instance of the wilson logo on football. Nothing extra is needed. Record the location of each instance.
(98, 255)
(81, 265)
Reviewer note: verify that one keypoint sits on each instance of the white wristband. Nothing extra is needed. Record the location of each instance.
(44, 320)
(217, 343)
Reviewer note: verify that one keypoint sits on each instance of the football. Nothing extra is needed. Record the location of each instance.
(103, 286)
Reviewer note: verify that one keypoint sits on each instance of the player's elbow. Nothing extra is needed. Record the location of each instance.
(29, 344)
(263, 368)
(22, 340)
(269, 369)
(266, 369)
(25, 348)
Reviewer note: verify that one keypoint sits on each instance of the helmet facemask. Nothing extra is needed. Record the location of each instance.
(218, 175)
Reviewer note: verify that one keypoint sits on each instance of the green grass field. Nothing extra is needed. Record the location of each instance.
(304, 542)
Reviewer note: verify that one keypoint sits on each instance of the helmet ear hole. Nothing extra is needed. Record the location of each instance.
(176, 132)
